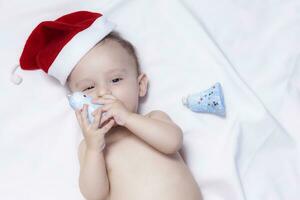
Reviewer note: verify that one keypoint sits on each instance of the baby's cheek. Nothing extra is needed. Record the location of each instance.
(129, 97)
(127, 102)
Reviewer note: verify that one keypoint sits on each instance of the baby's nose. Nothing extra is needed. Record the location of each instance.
(103, 91)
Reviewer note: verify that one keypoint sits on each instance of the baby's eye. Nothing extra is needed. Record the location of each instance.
(116, 80)
(89, 88)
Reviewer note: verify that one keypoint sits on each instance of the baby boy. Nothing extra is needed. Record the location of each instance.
(124, 155)
(140, 159)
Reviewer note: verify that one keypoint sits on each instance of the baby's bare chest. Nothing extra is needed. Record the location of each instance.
(126, 152)
(136, 170)
(132, 155)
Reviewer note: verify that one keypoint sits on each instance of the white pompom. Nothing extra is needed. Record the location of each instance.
(16, 79)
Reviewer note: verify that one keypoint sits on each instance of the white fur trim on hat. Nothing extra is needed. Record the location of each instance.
(77, 47)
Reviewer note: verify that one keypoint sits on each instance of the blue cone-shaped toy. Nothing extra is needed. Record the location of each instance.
(208, 101)
(78, 99)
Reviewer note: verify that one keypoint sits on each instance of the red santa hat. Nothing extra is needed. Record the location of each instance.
(57, 46)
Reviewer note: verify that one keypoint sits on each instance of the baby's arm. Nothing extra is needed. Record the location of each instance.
(93, 180)
(157, 129)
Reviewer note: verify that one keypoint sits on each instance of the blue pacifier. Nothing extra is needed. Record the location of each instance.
(78, 99)
(208, 101)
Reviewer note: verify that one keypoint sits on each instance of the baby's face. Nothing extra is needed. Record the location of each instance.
(109, 69)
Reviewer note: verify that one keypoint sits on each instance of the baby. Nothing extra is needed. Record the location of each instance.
(125, 155)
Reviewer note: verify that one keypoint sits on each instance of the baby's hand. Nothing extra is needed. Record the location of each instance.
(94, 136)
(114, 109)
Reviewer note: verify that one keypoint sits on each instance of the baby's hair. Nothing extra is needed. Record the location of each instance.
(115, 36)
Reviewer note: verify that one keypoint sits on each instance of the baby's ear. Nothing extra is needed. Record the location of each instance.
(143, 84)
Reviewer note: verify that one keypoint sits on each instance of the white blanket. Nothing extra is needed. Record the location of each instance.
(250, 47)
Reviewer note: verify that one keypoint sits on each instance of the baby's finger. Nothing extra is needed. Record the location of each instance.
(107, 126)
(105, 117)
(96, 111)
(84, 116)
(102, 101)
(77, 112)
(109, 96)
(78, 115)
(97, 118)
(106, 107)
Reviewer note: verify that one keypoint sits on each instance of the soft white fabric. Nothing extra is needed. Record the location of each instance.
(250, 47)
